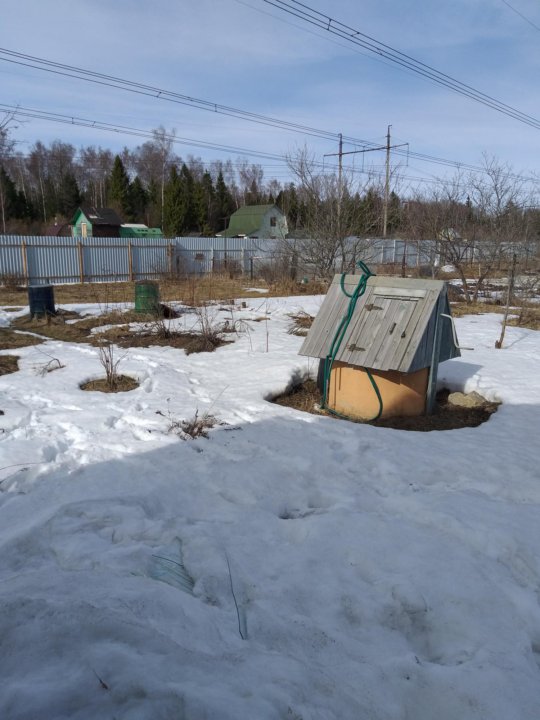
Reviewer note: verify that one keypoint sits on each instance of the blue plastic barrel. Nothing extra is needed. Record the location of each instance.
(41, 300)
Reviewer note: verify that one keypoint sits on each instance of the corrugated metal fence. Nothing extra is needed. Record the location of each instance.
(69, 260)
(72, 260)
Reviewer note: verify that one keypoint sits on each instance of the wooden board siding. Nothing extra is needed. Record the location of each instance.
(350, 392)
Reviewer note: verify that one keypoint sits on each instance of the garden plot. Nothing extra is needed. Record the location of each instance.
(289, 565)
(193, 329)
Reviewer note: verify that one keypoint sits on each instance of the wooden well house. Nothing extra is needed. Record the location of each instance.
(386, 362)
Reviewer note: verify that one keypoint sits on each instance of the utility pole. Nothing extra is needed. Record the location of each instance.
(387, 183)
(340, 162)
(386, 147)
(340, 176)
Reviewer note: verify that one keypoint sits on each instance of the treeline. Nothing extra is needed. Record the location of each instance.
(150, 184)
(483, 216)
(153, 185)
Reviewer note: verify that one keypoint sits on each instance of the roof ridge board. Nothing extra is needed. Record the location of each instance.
(405, 281)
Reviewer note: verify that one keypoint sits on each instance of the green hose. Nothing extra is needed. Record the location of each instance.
(338, 339)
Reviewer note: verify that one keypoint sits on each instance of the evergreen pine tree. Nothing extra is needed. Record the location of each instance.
(173, 212)
(224, 204)
(69, 196)
(153, 204)
(138, 200)
(118, 190)
(188, 200)
(208, 194)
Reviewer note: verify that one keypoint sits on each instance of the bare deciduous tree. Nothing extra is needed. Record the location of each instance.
(332, 210)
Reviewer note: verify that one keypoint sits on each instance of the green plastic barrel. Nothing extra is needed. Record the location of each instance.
(147, 297)
(41, 300)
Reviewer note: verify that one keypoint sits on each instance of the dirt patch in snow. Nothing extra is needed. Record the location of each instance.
(123, 383)
(8, 364)
(189, 342)
(9, 339)
(55, 327)
(306, 397)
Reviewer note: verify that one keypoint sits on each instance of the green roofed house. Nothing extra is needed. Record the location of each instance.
(257, 221)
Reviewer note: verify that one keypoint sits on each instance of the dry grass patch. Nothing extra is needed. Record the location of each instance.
(527, 317)
(123, 383)
(300, 323)
(155, 332)
(52, 327)
(305, 396)
(8, 364)
(191, 291)
(286, 287)
(9, 339)
(115, 317)
(55, 327)
(460, 309)
(13, 296)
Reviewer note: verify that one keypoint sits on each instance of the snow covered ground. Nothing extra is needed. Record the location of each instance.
(290, 567)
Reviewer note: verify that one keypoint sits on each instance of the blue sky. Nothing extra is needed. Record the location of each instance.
(249, 55)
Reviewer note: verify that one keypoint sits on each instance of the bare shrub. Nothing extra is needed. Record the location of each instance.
(229, 267)
(277, 270)
(209, 329)
(110, 363)
(52, 364)
(197, 426)
(300, 323)
(160, 327)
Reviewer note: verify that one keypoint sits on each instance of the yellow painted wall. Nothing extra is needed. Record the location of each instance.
(351, 392)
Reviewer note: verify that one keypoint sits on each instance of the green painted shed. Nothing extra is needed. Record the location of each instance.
(138, 230)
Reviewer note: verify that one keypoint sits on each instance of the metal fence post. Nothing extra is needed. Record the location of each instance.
(130, 261)
(81, 261)
(24, 254)
(170, 257)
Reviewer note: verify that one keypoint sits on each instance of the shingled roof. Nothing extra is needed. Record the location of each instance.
(101, 215)
(392, 328)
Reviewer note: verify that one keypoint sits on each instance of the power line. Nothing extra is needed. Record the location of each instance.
(356, 37)
(135, 132)
(521, 15)
(162, 94)
(155, 92)
(146, 134)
